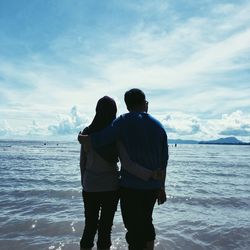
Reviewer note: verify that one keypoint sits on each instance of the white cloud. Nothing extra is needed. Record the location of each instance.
(5, 129)
(35, 130)
(66, 126)
(187, 55)
(187, 126)
(191, 53)
(29, 131)
(236, 124)
(71, 124)
(179, 124)
(193, 63)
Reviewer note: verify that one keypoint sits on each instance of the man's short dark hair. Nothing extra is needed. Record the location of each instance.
(134, 98)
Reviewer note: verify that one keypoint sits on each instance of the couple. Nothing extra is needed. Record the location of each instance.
(140, 142)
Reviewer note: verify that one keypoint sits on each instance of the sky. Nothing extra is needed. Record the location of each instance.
(58, 57)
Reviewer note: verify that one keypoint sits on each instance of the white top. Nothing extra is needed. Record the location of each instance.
(99, 175)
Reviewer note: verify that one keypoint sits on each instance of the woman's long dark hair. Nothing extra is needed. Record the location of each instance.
(105, 114)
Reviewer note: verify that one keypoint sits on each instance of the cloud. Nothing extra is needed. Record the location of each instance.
(188, 126)
(35, 130)
(236, 132)
(5, 129)
(180, 124)
(66, 127)
(30, 131)
(193, 55)
(177, 124)
(191, 52)
(188, 54)
(236, 124)
(71, 124)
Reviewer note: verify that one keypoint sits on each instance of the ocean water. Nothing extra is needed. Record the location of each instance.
(208, 207)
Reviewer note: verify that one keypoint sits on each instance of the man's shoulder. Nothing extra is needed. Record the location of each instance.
(155, 121)
(119, 121)
(140, 117)
(124, 117)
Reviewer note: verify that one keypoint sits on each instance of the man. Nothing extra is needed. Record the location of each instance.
(145, 141)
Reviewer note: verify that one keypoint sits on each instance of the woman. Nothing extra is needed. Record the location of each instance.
(100, 177)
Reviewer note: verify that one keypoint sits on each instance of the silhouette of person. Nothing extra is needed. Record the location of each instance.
(100, 177)
(145, 141)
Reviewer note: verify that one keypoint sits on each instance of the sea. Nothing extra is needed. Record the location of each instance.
(208, 198)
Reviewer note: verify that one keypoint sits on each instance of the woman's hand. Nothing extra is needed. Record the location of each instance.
(85, 140)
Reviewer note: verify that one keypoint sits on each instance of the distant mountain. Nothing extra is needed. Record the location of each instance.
(226, 141)
(223, 141)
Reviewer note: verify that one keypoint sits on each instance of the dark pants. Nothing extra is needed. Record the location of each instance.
(137, 209)
(104, 203)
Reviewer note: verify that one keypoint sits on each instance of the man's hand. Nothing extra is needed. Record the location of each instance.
(85, 140)
(161, 198)
(158, 175)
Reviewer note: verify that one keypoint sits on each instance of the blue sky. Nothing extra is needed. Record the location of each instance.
(191, 58)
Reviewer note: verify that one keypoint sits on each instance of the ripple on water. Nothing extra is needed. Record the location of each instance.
(41, 205)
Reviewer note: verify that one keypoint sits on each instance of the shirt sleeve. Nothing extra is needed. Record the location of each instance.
(132, 167)
(165, 153)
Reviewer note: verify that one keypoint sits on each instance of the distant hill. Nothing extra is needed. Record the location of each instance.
(225, 141)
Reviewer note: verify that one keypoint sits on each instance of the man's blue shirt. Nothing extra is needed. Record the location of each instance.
(145, 141)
